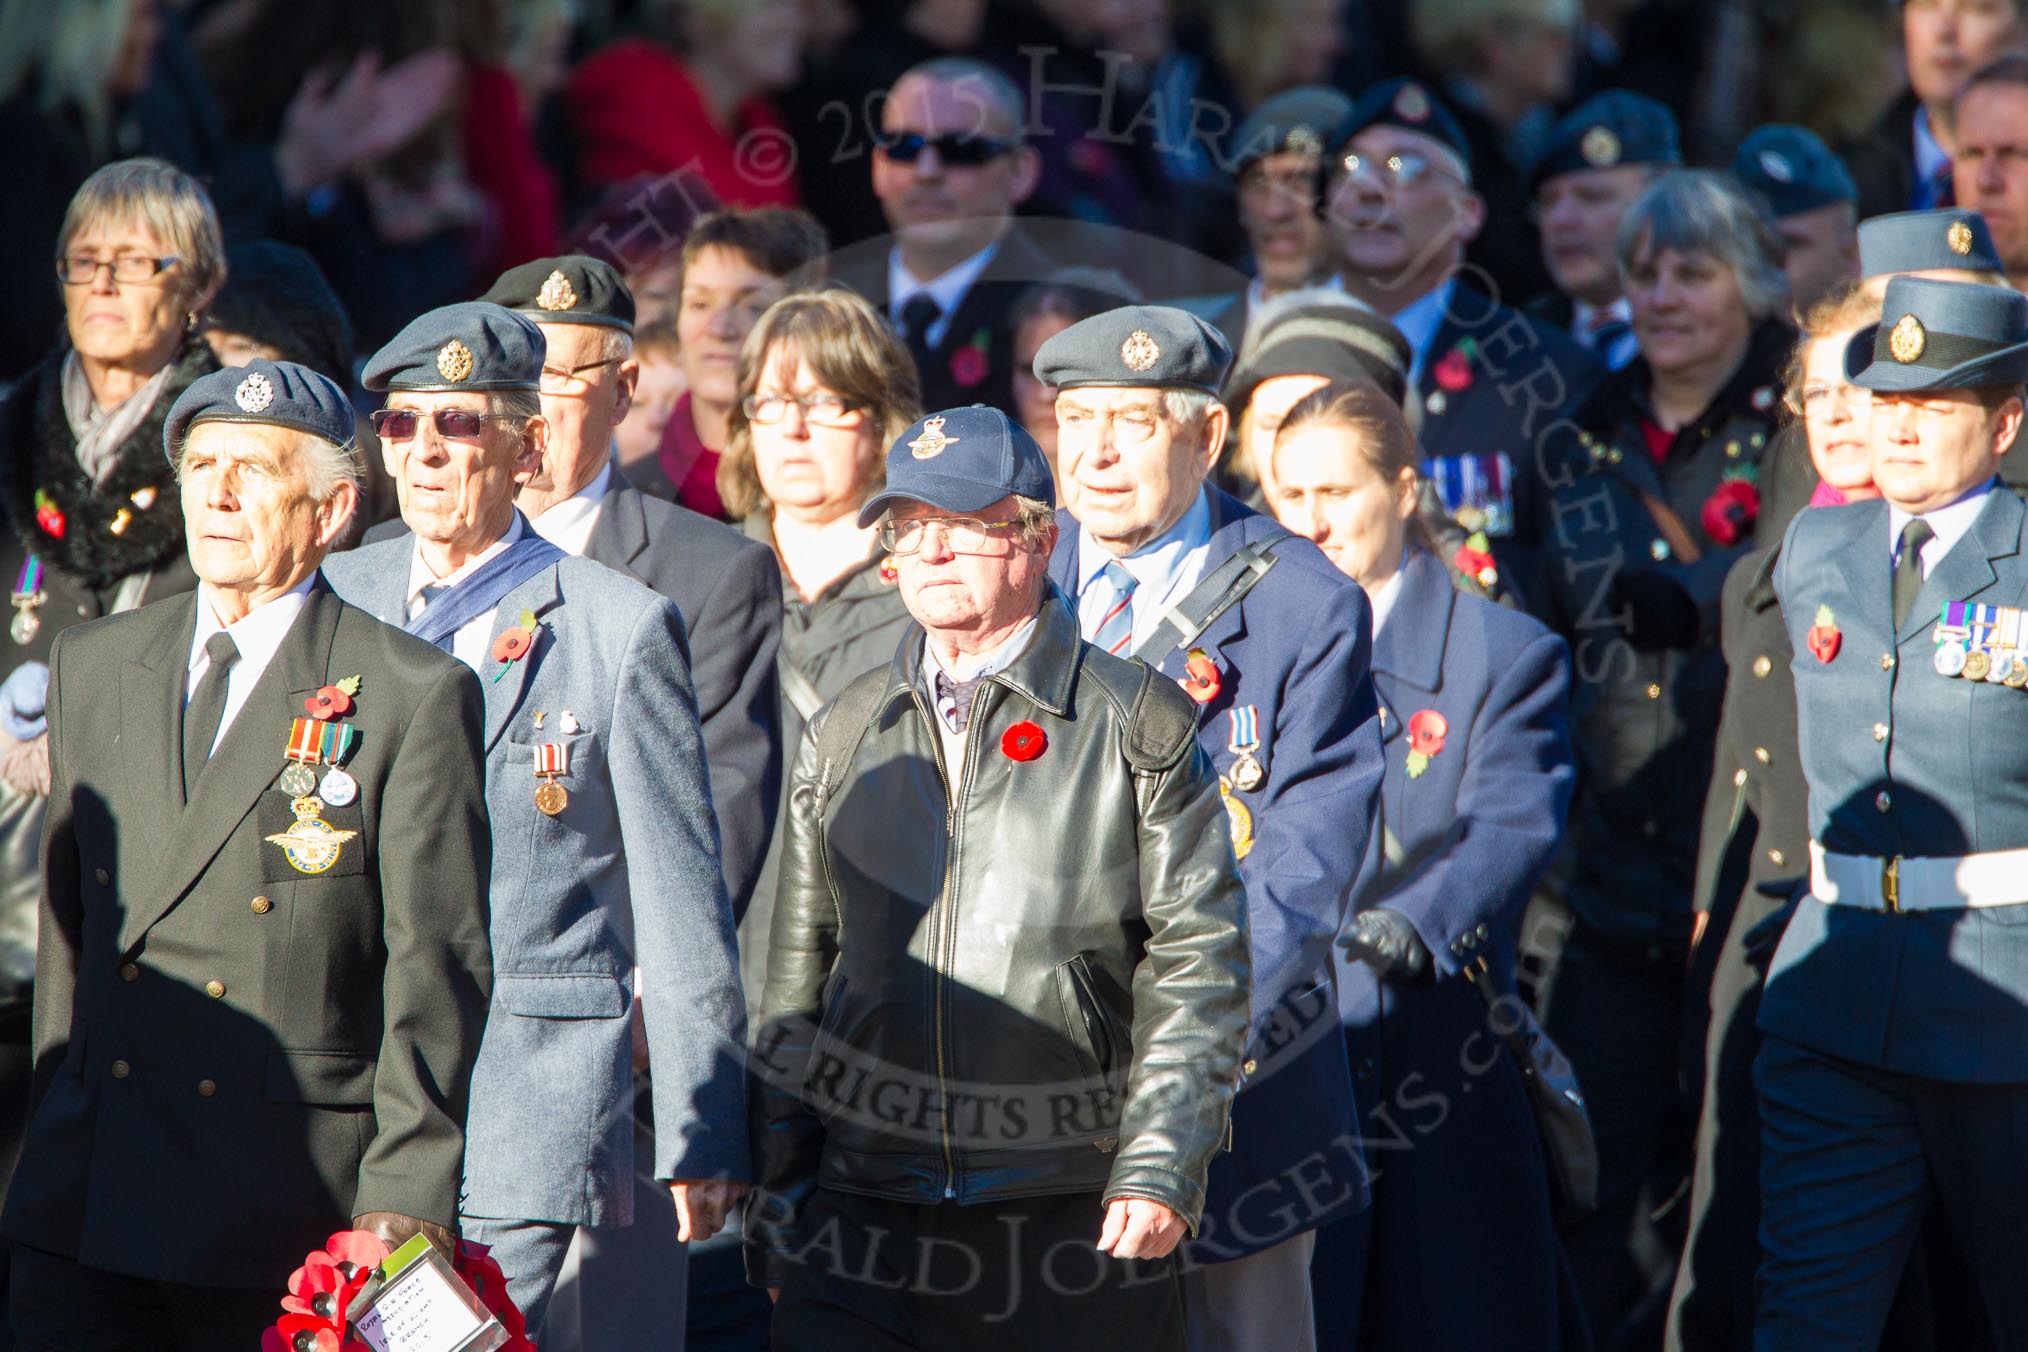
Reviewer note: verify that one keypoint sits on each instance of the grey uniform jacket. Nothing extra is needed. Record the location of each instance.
(626, 873)
(235, 1056)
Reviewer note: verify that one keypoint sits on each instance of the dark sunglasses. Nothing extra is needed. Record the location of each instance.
(453, 424)
(957, 150)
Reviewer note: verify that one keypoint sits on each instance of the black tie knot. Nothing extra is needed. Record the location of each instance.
(918, 316)
(221, 650)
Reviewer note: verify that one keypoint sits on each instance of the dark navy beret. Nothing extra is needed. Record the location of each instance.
(1920, 241)
(962, 460)
(474, 345)
(1793, 169)
(1608, 130)
(277, 393)
(1938, 335)
(1407, 104)
(572, 289)
(1296, 121)
(1137, 346)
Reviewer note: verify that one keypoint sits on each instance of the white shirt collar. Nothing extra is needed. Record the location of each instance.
(568, 524)
(1950, 524)
(258, 634)
(947, 289)
(1383, 600)
(420, 576)
(1583, 315)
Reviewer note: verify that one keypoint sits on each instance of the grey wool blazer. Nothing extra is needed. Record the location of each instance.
(235, 1056)
(627, 873)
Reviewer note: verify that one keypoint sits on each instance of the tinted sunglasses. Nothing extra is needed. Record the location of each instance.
(453, 424)
(957, 150)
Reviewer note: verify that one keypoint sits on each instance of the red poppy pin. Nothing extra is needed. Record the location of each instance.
(514, 643)
(968, 363)
(1426, 731)
(1824, 638)
(1023, 742)
(889, 571)
(332, 701)
(49, 516)
(1202, 682)
(1730, 511)
(1453, 370)
(1474, 559)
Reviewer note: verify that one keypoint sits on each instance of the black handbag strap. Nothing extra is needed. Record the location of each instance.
(1219, 592)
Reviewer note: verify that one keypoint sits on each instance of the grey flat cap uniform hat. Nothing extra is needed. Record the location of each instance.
(1792, 169)
(1923, 241)
(571, 289)
(1937, 335)
(962, 460)
(274, 393)
(474, 345)
(1341, 340)
(1296, 121)
(1137, 347)
(1610, 129)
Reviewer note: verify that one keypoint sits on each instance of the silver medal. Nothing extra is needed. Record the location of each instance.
(1950, 658)
(296, 780)
(25, 625)
(338, 788)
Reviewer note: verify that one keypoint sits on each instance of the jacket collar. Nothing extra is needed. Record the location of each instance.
(620, 535)
(1045, 673)
(1411, 645)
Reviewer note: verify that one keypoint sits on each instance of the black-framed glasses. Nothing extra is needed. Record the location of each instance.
(819, 410)
(570, 379)
(958, 149)
(453, 424)
(129, 269)
(962, 534)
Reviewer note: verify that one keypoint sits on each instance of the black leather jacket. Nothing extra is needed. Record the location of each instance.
(1037, 985)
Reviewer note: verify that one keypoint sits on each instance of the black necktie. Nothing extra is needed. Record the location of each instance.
(918, 317)
(207, 706)
(1908, 568)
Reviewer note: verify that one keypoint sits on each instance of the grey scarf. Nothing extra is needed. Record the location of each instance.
(101, 432)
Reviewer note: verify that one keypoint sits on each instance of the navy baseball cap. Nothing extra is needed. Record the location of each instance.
(276, 393)
(473, 345)
(962, 460)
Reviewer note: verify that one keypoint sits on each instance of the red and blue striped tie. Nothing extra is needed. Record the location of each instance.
(1115, 630)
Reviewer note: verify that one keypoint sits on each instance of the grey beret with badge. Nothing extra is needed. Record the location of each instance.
(1927, 241)
(571, 289)
(1792, 169)
(268, 393)
(1298, 121)
(1939, 335)
(1608, 130)
(474, 345)
(962, 460)
(1137, 347)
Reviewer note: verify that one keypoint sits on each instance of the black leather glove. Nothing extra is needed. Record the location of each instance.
(1385, 941)
(1660, 613)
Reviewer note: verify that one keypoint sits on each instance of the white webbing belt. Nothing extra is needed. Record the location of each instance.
(1941, 883)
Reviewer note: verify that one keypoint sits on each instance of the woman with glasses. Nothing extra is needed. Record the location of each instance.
(1475, 731)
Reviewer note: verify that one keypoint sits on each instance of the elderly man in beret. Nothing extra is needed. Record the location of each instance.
(1893, 1072)
(263, 968)
(1007, 977)
(605, 862)
(1272, 644)
(1810, 193)
(1601, 157)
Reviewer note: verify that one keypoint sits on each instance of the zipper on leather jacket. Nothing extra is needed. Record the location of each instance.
(945, 932)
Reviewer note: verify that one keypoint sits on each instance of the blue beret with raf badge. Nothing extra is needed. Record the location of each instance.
(1938, 335)
(1608, 130)
(271, 393)
(1792, 169)
(1137, 347)
(1407, 104)
(474, 345)
(962, 460)
(1953, 238)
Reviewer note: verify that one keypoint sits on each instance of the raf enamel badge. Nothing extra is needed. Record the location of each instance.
(312, 844)
(931, 443)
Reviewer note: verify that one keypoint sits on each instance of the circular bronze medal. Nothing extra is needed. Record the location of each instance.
(2017, 674)
(1977, 664)
(551, 798)
(297, 780)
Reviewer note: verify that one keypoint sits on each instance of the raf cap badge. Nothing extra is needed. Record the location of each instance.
(1411, 104)
(1777, 167)
(931, 443)
(1907, 339)
(1600, 148)
(1139, 351)
(254, 394)
(1303, 140)
(556, 293)
(1959, 237)
(454, 361)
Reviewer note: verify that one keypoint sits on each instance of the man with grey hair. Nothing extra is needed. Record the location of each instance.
(264, 964)
(605, 846)
(949, 167)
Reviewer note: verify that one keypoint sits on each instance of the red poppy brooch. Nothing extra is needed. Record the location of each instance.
(1023, 742)
(968, 363)
(1201, 684)
(1426, 731)
(514, 643)
(1730, 511)
(332, 701)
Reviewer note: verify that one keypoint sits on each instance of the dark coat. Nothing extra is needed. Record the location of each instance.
(983, 320)
(1883, 160)
(235, 1057)
(1471, 835)
(1642, 621)
(1296, 650)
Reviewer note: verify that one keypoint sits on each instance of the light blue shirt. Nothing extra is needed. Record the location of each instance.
(1930, 160)
(1164, 569)
(1419, 321)
(1950, 524)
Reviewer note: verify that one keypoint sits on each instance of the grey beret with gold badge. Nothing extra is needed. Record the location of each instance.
(1138, 347)
(474, 345)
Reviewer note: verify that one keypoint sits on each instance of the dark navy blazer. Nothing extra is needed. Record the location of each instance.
(1296, 649)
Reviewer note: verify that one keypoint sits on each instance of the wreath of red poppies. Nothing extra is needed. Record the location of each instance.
(313, 1313)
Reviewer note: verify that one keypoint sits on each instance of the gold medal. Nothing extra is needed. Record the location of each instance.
(551, 798)
(1238, 819)
(2017, 674)
(1977, 664)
